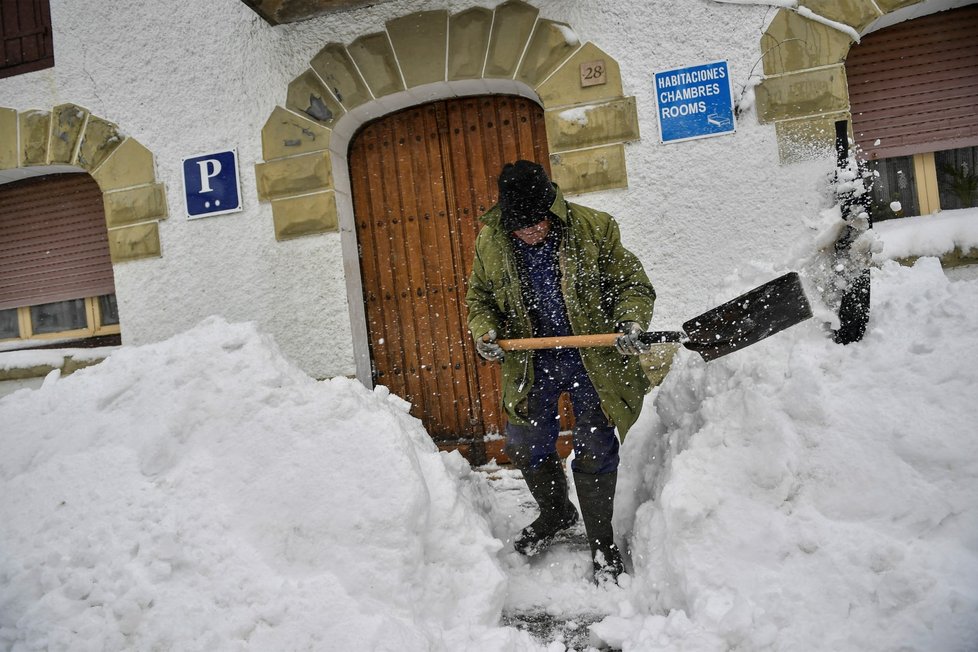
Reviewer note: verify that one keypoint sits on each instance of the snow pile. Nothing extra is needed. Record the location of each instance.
(929, 235)
(802, 495)
(204, 494)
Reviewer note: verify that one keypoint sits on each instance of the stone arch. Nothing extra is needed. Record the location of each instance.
(69, 135)
(431, 55)
(805, 91)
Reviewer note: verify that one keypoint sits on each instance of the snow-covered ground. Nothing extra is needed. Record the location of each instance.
(203, 493)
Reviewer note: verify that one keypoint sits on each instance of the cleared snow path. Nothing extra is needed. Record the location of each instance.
(550, 596)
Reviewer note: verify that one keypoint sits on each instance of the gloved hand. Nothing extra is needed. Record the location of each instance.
(629, 343)
(488, 349)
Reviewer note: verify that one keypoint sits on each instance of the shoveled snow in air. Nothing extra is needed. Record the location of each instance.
(204, 494)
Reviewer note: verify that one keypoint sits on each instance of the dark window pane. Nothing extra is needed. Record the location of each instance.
(895, 183)
(8, 324)
(59, 316)
(957, 177)
(109, 310)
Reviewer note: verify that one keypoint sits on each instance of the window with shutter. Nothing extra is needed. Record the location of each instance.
(56, 277)
(913, 93)
(913, 87)
(25, 30)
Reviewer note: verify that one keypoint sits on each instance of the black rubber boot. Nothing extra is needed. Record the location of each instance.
(596, 494)
(548, 485)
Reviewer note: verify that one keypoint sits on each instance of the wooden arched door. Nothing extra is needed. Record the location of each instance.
(420, 180)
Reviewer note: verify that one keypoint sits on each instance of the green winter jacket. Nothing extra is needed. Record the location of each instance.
(603, 284)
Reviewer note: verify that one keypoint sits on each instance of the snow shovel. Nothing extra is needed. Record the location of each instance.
(738, 323)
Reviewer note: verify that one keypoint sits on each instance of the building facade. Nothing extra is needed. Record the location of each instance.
(366, 139)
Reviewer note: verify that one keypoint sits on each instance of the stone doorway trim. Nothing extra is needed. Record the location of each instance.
(423, 57)
(805, 90)
(433, 55)
(70, 138)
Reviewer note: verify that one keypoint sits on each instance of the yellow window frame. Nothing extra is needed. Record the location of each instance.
(925, 177)
(93, 317)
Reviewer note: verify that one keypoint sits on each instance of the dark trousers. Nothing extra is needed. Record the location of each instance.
(595, 442)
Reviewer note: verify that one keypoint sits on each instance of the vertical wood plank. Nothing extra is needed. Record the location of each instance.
(402, 271)
(523, 124)
(28, 22)
(369, 275)
(509, 138)
(420, 180)
(11, 28)
(466, 359)
(389, 361)
(442, 273)
(474, 195)
(541, 153)
(44, 19)
(424, 367)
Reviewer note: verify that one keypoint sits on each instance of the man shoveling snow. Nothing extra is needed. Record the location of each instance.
(547, 267)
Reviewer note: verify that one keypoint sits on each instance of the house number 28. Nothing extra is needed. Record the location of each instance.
(594, 73)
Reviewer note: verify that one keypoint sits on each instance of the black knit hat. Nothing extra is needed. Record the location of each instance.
(525, 195)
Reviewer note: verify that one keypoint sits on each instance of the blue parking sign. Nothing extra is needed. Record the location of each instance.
(211, 185)
(694, 102)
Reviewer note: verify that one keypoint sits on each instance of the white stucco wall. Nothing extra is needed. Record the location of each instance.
(186, 78)
(697, 210)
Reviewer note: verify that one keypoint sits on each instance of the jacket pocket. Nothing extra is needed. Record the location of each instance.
(502, 294)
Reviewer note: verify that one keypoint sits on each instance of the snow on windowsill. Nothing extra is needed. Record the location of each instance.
(25, 359)
(929, 235)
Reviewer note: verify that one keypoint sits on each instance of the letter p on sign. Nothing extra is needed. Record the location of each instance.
(211, 184)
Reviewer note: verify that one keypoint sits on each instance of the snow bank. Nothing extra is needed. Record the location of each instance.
(204, 494)
(802, 495)
(929, 235)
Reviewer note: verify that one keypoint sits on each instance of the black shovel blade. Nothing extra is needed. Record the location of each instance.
(751, 317)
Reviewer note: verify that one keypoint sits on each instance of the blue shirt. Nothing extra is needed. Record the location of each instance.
(540, 283)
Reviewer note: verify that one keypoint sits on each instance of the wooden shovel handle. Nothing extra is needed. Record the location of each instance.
(562, 342)
(583, 341)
